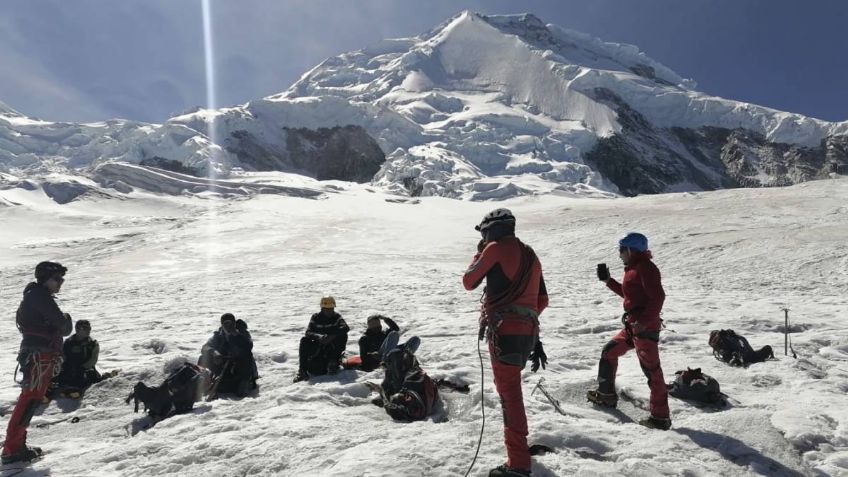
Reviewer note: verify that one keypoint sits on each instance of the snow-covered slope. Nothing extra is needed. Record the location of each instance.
(154, 273)
(481, 107)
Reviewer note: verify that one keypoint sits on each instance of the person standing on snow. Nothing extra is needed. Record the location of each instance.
(42, 325)
(643, 296)
(321, 348)
(515, 295)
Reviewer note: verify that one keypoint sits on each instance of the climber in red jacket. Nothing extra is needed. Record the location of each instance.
(643, 296)
(515, 295)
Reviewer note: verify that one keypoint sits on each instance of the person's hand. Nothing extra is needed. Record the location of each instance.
(538, 357)
(603, 272)
(481, 245)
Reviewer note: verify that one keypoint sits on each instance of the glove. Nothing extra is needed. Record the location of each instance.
(603, 272)
(538, 357)
(481, 245)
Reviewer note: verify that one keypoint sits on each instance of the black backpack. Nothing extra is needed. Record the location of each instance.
(694, 385)
(416, 398)
(735, 350)
(181, 389)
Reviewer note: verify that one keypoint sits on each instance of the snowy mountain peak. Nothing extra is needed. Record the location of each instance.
(480, 107)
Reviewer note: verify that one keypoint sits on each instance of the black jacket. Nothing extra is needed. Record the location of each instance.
(372, 340)
(40, 321)
(326, 324)
(237, 345)
(81, 354)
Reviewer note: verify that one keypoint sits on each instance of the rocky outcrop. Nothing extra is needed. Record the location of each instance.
(645, 159)
(344, 153)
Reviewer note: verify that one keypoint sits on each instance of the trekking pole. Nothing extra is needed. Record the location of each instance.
(213, 390)
(786, 332)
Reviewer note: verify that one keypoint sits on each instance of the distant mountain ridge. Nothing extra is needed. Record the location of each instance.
(481, 107)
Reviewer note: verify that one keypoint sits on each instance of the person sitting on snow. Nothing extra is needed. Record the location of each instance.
(229, 356)
(321, 348)
(372, 340)
(80, 353)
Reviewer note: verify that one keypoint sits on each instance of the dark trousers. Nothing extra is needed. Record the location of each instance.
(314, 356)
(647, 351)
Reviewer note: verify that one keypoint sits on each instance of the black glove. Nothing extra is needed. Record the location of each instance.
(538, 357)
(603, 272)
(481, 245)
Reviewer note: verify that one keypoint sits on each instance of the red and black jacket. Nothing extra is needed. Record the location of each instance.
(500, 264)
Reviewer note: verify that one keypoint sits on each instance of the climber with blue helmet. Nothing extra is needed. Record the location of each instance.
(643, 296)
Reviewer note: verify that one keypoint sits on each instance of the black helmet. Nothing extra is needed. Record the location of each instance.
(46, 270)
(228, 317)
(496, 216)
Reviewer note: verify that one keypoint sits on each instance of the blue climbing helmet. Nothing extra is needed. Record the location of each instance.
(634, 241)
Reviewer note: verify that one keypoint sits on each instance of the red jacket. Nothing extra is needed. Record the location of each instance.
(642, 291)
(498, 263)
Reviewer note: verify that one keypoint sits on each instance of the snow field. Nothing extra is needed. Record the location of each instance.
(154, 273)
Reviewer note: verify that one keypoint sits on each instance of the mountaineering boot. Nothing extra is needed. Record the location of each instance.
(504, 471)
(27, 454)
(602, 399)
(333, 367)
(660, 423)
(301, 375)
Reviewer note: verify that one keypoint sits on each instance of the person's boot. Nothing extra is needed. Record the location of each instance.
(660, 423)
(26, 454)
(504, 471)
(333, 367)
(602, 399)
(301, 375)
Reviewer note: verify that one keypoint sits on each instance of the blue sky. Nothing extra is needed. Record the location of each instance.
(91, 60)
